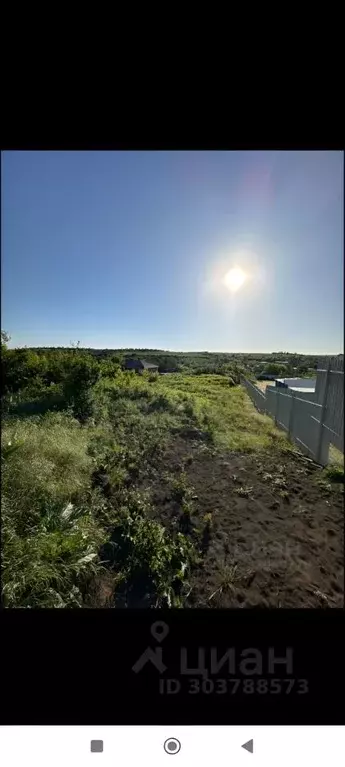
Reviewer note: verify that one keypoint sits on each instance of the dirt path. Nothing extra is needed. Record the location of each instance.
(276, 536)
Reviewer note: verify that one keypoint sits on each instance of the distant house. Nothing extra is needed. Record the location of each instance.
(140, 365)
(306, 385)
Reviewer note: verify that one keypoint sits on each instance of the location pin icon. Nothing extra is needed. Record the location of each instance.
(159, 630)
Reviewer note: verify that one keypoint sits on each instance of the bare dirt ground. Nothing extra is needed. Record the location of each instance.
(276, 535)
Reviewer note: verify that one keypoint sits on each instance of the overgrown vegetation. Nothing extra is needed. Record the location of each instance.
(201, 363)
(81, 440)
(331, 479)
(335, 473)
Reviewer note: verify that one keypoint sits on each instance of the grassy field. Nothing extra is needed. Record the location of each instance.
(106, 513)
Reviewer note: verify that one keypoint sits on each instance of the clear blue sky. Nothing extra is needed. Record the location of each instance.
(130, 249)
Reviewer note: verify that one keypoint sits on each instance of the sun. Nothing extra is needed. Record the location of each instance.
(234, 279)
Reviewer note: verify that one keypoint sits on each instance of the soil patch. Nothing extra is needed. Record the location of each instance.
(276, 536)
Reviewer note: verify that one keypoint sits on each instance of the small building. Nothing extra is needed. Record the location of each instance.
(140, 365)
(304, 385)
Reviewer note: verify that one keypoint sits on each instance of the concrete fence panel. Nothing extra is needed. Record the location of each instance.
(306, 428)
(336, 439)
(308, 395)
(329, 393)
(271, 400)
(302, 417)
(334, 415)
(283, 409)
(256, 395)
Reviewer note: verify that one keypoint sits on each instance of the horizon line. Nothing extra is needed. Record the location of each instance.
(173, 351)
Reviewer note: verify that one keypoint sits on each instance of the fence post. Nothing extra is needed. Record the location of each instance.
(322, 414)
(291, 414)
(276, 409)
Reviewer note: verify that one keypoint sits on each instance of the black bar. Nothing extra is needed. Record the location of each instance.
(75, 667)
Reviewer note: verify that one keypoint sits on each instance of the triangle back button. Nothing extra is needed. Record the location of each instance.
(249, 746)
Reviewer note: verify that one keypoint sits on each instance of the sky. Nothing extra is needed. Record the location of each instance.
(187, 251)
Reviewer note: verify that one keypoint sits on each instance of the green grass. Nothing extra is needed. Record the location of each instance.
(226, 412)
(336, 456)
(207, 402)
(48, 522)
(57, 513)
(331, 479)
(334, 473)
(48, 452)
(150, 561)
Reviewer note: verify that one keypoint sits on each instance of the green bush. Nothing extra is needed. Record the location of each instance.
(81, 375)
(150, 562)
(109, 368)
(335, 473)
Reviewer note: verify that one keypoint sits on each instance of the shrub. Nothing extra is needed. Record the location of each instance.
(151, 562)
(335, 473)
(82, 374)
(109, 368)
(180, 489)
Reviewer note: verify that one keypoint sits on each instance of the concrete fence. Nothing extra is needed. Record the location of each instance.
(256, 395)
(312, 421)
(329, 392)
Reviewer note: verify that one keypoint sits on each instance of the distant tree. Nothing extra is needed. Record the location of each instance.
(274, 369)
(109, 367)
(166, 362)
(15, 371)
(116, 359)
(81, 375)
(5, 338)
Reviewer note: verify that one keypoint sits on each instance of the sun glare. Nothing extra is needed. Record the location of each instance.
(234, 279)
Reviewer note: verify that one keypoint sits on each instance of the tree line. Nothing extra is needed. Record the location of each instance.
(67, 374)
